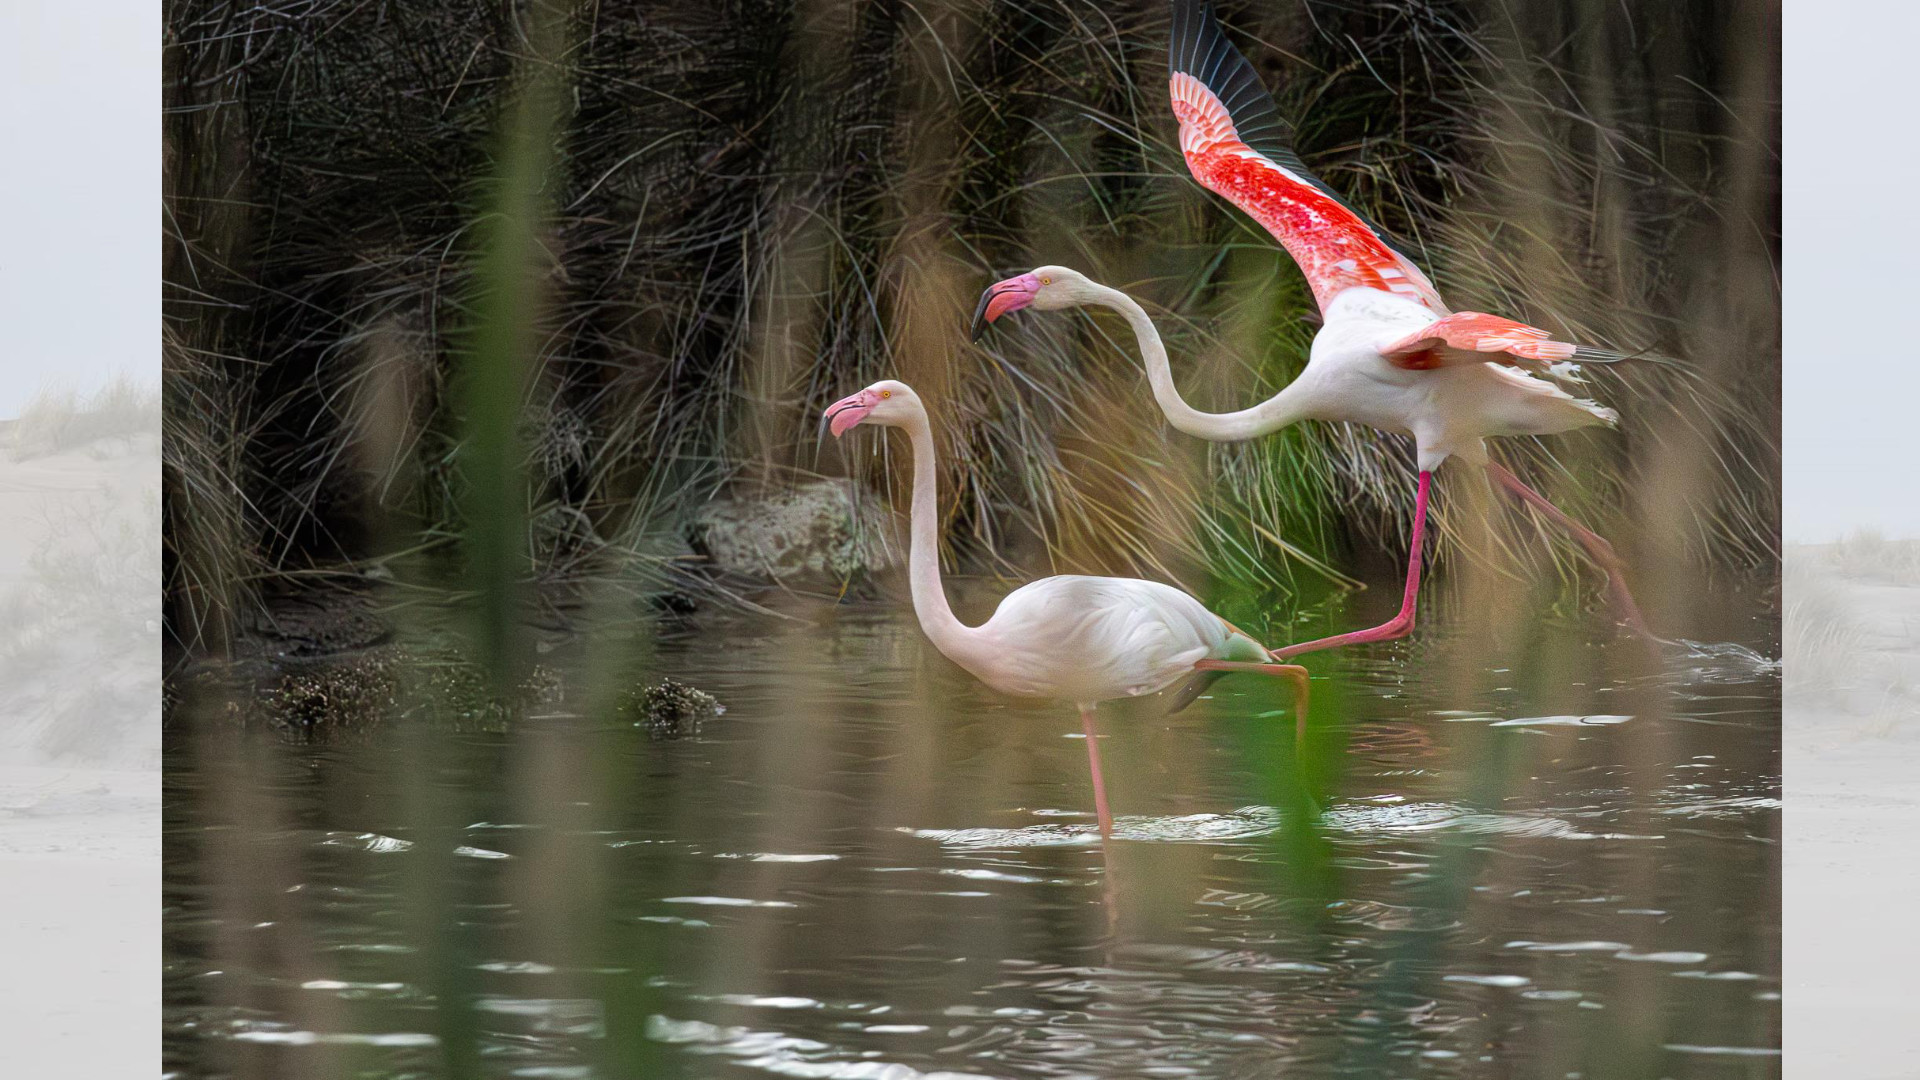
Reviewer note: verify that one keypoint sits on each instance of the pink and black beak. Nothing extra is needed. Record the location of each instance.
(1002, 297)
(849, 411)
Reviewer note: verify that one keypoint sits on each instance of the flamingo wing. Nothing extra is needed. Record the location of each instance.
(1237, 146)
(1469, 337)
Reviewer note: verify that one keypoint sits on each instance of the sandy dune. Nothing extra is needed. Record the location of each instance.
(79, 757)
(1852, 747)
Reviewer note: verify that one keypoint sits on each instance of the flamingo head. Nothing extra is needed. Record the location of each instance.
(887, 402)
(1044, 288)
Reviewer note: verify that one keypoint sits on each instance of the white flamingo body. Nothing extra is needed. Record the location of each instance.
(1091, 639)
(1448, 411)
(1066, 638)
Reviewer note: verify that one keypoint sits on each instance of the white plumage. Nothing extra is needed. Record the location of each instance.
(1449, 411)
(1089, 639)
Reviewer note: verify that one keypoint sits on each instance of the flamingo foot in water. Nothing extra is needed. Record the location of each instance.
(1596, 546)
(1400, 625)
(1293, 673)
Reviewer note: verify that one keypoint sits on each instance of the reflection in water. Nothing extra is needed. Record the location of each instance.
(871, 868)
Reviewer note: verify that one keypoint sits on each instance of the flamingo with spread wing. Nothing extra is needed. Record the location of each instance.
(1390, 354)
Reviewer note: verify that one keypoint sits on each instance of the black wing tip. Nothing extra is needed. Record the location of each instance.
(1196, 30)
(1198, 46)
(1591, 354)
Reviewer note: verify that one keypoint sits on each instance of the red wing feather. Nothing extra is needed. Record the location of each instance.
(1236, 144)
(1334, 247)
(1471, 332)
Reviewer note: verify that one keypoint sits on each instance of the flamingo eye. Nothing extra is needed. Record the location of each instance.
(1046, 281)
(886, 393)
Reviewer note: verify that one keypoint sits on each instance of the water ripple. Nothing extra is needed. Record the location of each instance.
(786, 1055)
(1432, 816)
(1246, 822)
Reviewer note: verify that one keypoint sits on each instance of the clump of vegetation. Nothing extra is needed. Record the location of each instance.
(1848, 645)
(668, 709)
(213, 556)
(1822, 644)
(78, 641)
(59, 419)
(457, 690)
(348, 694)
(1868, 555)
(756, 205)
(354, 695)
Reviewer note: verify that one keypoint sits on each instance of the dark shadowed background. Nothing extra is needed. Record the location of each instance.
(754, 208)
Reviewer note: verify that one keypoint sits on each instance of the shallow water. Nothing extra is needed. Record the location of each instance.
(1551, 860)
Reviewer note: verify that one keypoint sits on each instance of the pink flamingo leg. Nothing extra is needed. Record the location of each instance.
(1093, 761)
(1293, 673)
(1400, 625)
(1596, 547)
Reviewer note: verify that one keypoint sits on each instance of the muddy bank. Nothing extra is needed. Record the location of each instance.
(329, 663)
(336, 663)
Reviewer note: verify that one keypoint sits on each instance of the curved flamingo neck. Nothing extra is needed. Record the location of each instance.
(937, 620)
(1278, 411)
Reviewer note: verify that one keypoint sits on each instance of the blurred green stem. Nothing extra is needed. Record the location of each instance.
(497, 360)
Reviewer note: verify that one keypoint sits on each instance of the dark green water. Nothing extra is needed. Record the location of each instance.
(1536, 857)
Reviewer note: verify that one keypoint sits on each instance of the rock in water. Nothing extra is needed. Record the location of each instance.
(820, 531)
(670, 708)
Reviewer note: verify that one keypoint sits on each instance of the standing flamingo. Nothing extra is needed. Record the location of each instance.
(1070, 637)
(1389, 353)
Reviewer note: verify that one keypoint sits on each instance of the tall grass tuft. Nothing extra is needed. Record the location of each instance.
(1822, 642)
(59, 419)
(1868, 555)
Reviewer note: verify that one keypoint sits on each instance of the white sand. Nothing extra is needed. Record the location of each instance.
(79, 760)
(1852, 956)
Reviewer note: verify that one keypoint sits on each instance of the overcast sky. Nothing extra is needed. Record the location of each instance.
(79, 234)
(1852, 176)
(79, 194)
